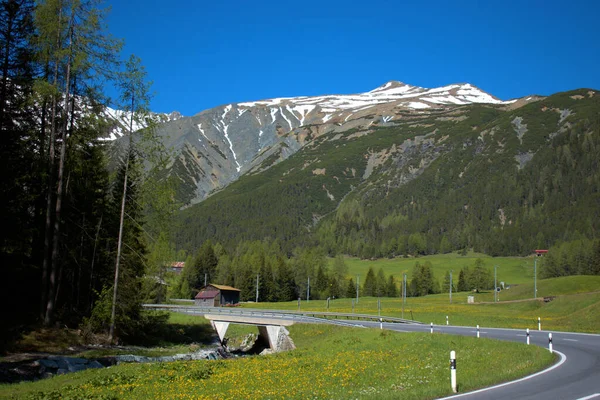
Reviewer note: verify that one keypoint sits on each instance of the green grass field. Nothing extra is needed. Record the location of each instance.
(511, 270)
(547, 287)
(572, 310)
(329, 362)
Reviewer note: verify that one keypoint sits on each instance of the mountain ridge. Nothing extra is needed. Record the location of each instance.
(498, 179)
(216, 146)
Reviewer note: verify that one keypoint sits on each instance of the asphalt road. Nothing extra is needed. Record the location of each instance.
(576, 376)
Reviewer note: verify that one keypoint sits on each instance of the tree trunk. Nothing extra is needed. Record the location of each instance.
(119, 245)
(92, 264)
(52, 289)
(5, 65)
(48, 238)
(120, 240)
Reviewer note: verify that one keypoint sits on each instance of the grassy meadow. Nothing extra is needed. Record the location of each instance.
(511, 270)
(567, 285)
(571, 311)
(329, 362)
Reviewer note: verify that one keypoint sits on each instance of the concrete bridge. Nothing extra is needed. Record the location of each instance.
(271, 330)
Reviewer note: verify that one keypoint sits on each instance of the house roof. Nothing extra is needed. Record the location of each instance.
(207, 294)
(223, 287)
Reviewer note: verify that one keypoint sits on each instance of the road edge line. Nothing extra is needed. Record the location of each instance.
(563, 359)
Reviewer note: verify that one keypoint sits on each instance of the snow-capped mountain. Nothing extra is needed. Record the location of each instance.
(218, 145)
(122, 120)
(401, 94)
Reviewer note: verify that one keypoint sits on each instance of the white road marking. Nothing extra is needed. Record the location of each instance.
(591, 396)
(563, 358)
(572, 340)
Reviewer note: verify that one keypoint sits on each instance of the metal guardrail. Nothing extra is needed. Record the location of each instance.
(196, 310)
(305, 316)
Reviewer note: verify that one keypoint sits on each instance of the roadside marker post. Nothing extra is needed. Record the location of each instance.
(477, 331)
(453, 370)
(527, 336)
(446, 320)
(380, 323)
(432, 327)
(539, 324)
(550, 342)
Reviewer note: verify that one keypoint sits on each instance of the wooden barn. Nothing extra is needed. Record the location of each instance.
(217, 295)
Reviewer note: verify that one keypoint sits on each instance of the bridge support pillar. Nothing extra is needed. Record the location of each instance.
(271, 334)
(221, 328)
(277, 337)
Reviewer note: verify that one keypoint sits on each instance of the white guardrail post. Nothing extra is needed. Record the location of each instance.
(477, 331)
(528, 336)
(432, 327)
(539, 324)
(453, 370)
(550, 342)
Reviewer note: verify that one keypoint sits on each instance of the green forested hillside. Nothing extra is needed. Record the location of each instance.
(499, 181)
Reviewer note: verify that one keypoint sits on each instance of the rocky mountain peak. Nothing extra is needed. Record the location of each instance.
(219, 145)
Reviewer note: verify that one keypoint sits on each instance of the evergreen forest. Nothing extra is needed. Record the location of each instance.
(84, 222)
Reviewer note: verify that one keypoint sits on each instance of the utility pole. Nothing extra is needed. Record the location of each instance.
(257, 288)
(357, 278)
(495, 284)
(535, 277)
(403, 293)
(308, 290)
(450, 286)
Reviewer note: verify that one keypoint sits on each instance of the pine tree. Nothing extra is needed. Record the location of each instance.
(446, 284)
(71, 43)
(391, 288)
(481, 278)
(370, 285)
(20, 153)
(135, 97)
(422, 282)
(381, 284)
(351, 289)
(463, 280)
(595, 259)
(285, 281)
(322, 283)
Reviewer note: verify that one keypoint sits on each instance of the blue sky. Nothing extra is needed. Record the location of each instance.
(201, 54)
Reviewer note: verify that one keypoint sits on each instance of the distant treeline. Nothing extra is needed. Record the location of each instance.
(284, 279)
(578, 257)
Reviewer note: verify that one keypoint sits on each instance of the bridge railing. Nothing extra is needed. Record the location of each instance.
(319, 317)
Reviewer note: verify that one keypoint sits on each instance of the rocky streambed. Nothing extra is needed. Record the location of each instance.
(32, 368)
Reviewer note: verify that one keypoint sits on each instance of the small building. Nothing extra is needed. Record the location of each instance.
(176, 266)
(217, 295)
(541, 252)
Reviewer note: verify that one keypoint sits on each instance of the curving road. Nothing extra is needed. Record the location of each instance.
(575, 377)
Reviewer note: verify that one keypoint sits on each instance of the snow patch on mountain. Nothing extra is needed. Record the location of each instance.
(286, 118)
(202, 132)
(417, 105)
(226, 110)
